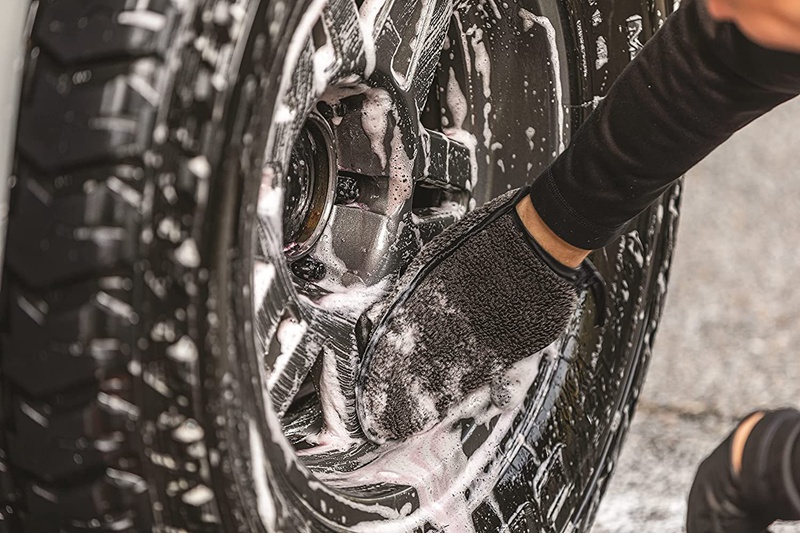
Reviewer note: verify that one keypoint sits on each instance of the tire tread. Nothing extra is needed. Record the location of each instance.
(88, 108)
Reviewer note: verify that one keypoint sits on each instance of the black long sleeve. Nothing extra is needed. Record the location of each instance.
(766, 488)
(770, 477)
(694, 84)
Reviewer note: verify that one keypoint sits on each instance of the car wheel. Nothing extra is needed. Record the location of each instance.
(206, 196)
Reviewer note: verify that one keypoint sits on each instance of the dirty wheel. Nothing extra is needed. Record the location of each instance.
(208, 193)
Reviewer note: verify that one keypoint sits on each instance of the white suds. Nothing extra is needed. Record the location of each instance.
(401, 168)
(129, 480)
(290, 333)
(187, 254)
(200, 167)
(375, 112)
(263, 276)
(368, 17)
(114, 404)
(354, 299)
(456, 101)
(270, 197)
(258, 471)
(334, 407)
(198, 496)
(324, 64)
(34, 415)
(117, 307)
(602, 53)
(188, 431)
(183, 351)
(528, 21)
(471, 142)
(146, 20)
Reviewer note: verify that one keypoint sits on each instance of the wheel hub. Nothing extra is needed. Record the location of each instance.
(310, 187)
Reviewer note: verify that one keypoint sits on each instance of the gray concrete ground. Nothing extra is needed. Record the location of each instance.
(729, 339)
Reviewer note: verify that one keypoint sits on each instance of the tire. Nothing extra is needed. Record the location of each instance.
(201, 193)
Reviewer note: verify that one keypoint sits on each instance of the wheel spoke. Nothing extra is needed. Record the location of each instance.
(294, 333)
(290, 356)
(296, 97)
(363, 240)
(384, 142)
(398, 152)
(327, 337)
(338, 376)
(408, 38)
(332, 51)
(396, 41)
(270, 292)
(450, 163)
(281, 326)
(343, 41)
(398, 38)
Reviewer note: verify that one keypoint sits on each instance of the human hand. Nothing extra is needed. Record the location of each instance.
(769, 23)
(479, 298)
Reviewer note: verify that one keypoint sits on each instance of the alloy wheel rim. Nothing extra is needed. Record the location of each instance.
(411, 181)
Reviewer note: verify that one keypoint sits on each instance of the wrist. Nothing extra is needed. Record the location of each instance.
(769, 480)
(558, 248)
(740, 439)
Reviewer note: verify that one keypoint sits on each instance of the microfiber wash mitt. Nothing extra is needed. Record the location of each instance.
(478, 298)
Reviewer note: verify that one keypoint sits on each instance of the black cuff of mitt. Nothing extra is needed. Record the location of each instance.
(586, 276)
(770, 476)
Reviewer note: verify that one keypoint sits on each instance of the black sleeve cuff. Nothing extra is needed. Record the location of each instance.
(770, 476)
(557, 212)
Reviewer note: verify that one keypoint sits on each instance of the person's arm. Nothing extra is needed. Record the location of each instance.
(769, 465)
(751, 479)
(694, 84)
(740, 436)
(770, 23)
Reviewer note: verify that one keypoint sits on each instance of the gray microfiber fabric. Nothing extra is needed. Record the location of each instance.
(484, 307)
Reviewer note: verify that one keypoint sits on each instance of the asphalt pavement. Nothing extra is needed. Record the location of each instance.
(728, 341)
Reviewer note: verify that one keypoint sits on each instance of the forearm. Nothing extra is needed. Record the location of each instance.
(751, 479)
(770, 23)
(692, 86)
(769, 473)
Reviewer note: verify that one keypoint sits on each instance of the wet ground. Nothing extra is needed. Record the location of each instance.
(728, 343)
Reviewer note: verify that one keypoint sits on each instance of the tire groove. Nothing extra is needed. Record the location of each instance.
(49, 65)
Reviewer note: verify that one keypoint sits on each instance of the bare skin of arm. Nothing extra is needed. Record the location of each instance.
(560, 249)
(740, 439)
